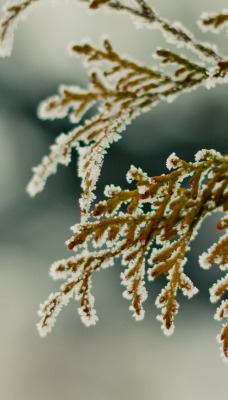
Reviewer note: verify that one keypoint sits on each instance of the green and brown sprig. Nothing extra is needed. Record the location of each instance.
(152, 243)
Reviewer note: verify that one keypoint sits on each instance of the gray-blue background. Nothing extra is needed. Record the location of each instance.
(119, 358)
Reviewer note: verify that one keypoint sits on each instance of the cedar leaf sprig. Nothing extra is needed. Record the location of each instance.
(159, 237)
(121, 89)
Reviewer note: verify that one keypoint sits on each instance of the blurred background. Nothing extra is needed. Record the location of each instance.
(119, 358)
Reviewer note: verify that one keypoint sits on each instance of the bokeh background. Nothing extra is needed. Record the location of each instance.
(119, 358)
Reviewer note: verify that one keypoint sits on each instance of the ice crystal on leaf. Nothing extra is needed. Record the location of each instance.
(149, 243)
(120, 87)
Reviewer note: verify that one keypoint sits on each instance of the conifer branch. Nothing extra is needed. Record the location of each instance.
(218, 254)
(122, 89)
(173, 32)
(161, 236)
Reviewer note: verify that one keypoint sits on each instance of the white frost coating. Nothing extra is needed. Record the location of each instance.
(203, 261)
(133, 290)
(189, 44)
(204, 258)
(163, 297)
(211, 205)
(60, 110)
(211, 81)
(216, 286)
(111, 190)
(173, 162)
(92, 157)
(55, 274)
(77, 228)
(130, 173)
(158, 23)
(80, 285)
(48, 165)
(214, 80)
(50, 310)
(207, 16)
(102, 239)
(158, 302)
(94, 154)
(191, 290)
(156, 253)
(167, 332)
(91, 318)
(135, 171)
(83, 294)
(60, 154)
(60, 274)
(222, 355)
(142, 189)
(206, 154)
(88, 320)
(174, 39)
(7, 43)
(222, 308)
(107, 263)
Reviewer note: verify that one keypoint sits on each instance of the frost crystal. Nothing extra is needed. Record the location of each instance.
(172, 161)
(161, 236)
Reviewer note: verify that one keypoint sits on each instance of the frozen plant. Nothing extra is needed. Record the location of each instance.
(150, 242)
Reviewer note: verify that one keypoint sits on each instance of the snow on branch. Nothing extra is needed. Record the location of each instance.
(121, 89)
(218, 254)
(14, 10)
(149, 243)
(174, 33)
